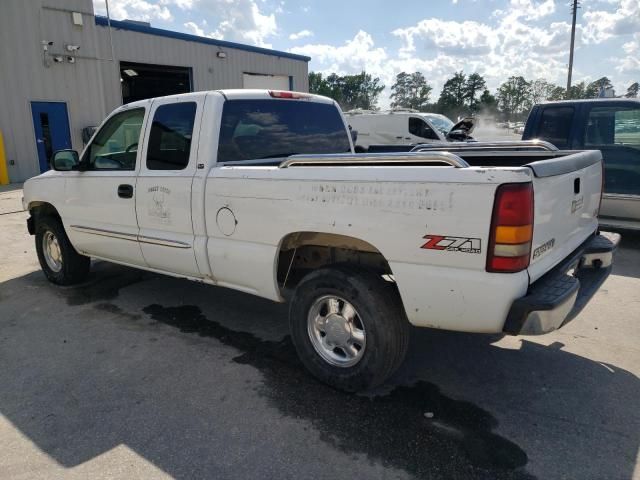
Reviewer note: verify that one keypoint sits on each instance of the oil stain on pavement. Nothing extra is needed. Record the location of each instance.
(413, 428)
(103, 287)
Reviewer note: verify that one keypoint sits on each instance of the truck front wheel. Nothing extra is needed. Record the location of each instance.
(59, 261)
(348, 327)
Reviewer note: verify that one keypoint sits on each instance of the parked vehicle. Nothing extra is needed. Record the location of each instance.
(405, 127)
(609, 125)
(206, 186)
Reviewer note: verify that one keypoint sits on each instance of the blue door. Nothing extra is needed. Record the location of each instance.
(51, 125)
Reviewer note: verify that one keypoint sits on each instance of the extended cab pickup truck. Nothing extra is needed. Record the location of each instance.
(259, 191)
(611, 125)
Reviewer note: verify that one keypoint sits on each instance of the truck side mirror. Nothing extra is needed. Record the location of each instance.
(65, 160)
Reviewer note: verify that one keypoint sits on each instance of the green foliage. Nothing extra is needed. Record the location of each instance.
(514, 96)
(632, 91)
(541, 90)
(350, 91)
(452, 97)
(593, 89)
(487, 104)
(411, 90)
(577, 90)
(475, 84)
(557, 93)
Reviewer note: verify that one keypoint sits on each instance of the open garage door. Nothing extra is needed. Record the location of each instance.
(143, 80)
(272, 82)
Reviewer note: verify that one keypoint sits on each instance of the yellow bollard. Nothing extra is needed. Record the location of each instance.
(4, 174)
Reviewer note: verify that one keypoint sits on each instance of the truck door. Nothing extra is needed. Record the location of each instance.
(99, 209)
(163, 200)
(614, 129)
(421, 132)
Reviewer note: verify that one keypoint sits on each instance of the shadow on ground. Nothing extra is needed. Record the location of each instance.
(133, 358)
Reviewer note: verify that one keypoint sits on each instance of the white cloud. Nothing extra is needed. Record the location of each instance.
(603, 24)
(238, 20)
(453, 38)
(530, 9)
(135, 9)
(301, 34)
(244, 22)
(183, 4)
(631, 62)
(353, 56)
(195, 29)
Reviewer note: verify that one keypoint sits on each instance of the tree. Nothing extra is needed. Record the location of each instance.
(577, 90)
(475, 83)
(632, 91)
(541, 90)
(487, 103)
(361, 91)
(329, 87)
(411, 90)
(558, 93)
(452, 97)
(594, 88)
(350, 91)
(514, 96)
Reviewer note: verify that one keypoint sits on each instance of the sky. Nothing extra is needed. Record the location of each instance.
(496, 38)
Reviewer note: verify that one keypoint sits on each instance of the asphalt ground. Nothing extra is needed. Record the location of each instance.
(137, 375)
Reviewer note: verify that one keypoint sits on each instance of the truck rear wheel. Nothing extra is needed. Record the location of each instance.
(348, 327)
(59, 261)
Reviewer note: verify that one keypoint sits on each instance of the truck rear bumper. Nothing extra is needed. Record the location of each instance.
(560, 295)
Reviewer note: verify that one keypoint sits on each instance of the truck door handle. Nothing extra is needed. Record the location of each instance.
(125, 191)
(400, 136)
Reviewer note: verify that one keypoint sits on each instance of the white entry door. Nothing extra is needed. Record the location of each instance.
(163, 201)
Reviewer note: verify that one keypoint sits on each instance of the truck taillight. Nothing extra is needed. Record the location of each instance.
(284, 94)
(511, 228)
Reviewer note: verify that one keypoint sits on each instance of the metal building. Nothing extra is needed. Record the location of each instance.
(63, 69)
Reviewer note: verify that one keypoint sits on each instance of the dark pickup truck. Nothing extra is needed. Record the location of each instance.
(609, 125)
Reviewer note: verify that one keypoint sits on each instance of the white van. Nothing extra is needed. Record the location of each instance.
(403, 127)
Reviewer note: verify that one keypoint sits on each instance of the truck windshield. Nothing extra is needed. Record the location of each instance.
(259, 129)
(441, 122)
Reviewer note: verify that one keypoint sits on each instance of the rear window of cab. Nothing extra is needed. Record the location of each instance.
(262, 129)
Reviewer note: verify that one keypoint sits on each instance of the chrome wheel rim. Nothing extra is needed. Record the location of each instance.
(52, 252)
(336, 331)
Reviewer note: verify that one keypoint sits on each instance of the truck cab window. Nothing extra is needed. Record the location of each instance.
(613, 126)
(170, 136)
(262, 129)
(419, 128)
(555, 126)
(115, 146)
(615, 131)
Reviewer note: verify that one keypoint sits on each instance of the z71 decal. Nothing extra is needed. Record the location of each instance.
(452, 244)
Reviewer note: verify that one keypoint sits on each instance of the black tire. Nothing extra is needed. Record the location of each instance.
(379, 310)
(75, 267)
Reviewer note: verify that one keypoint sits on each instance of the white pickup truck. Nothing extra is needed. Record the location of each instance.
(259, 191)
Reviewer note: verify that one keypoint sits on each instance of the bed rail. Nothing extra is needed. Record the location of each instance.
(376, 159)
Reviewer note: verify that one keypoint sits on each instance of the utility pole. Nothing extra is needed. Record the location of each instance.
(574, 11)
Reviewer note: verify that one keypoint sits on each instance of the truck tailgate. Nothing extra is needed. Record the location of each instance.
(566, 201)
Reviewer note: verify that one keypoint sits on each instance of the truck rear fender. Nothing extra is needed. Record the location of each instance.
(300, 252)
